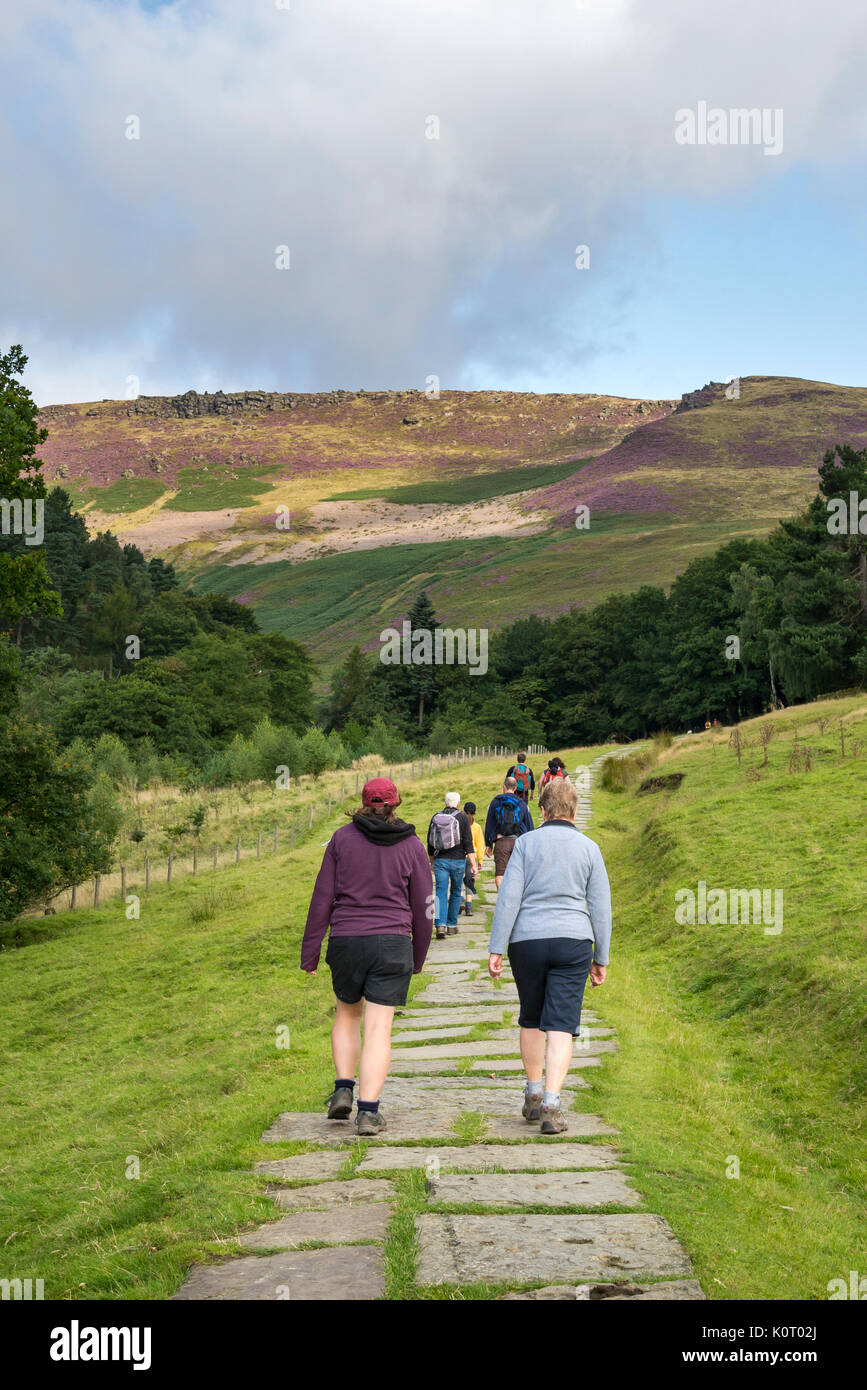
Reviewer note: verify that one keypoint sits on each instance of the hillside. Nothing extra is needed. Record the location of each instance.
(472, 495)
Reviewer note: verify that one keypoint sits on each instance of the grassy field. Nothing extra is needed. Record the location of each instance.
(734, 1043)
(157, 1040)
(332, 602)
(473, 489)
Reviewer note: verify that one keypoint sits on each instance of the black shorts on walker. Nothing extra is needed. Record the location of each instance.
(376, 967)
(550, 973)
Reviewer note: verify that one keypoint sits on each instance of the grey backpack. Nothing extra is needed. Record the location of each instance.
(444, 832)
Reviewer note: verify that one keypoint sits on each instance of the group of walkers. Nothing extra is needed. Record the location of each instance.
(552, 919)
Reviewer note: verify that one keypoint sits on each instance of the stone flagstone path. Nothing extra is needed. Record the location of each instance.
(563, 1211)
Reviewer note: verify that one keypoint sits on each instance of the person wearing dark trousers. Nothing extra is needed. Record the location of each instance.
(553, 915)
(450, 846)
(525, 782)
(507, 818)
(374, 890)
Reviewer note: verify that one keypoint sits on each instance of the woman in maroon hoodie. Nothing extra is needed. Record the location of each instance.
(374, 890)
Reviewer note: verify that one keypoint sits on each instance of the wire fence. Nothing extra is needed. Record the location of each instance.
(285, 835)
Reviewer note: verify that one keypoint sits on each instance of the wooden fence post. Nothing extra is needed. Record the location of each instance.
(169, 867)
(123, 881)
(259, 845)
(195, 857)
(310, 825)
(96, 878)
(147, 873)
(238, 850)
(215, 857)
(73, 897)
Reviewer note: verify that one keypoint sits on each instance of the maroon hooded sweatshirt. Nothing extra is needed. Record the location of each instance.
(375, 880)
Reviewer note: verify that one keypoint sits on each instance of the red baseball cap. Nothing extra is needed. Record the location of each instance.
(379, 790)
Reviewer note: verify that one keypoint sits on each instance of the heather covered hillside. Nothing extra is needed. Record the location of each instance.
(327, 513)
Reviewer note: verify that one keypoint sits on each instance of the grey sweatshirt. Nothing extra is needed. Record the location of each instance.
(555, 884)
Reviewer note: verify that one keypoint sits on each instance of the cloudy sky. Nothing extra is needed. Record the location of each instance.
(307, 124)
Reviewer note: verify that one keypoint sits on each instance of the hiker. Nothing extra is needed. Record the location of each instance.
(374, 890)
(507, 818)
(525, 782)
(556, 768)
(450, 846)
(479, 850)
(553, 915)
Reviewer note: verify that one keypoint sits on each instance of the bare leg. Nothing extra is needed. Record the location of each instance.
(533, 1052)
(557, 1059)
(346, 1038)
(376, 1051)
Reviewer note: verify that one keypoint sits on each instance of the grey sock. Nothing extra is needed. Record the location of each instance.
(551, 1100)
(533, 1088)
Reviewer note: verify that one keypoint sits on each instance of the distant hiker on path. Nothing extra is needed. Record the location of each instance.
(553, 915)
(525, 782)
(556, 768)
(450, 846)
(479, 849)
(507, 818)
(374, 890)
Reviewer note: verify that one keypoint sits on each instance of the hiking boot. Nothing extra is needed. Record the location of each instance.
(553, 1120)
(532, 1108)
(340, 1104)
(452, 931)
(469, 909)
(369, 1122)
(441, 933)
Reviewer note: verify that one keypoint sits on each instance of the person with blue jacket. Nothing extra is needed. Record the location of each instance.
(508, 817)
(553, 916)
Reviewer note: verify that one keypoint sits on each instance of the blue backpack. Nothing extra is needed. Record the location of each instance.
(507, 814)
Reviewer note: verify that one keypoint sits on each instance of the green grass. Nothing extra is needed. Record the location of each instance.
(735, 1043)
(331, 602)
(219, 486)
(474, 489)
(126, 495)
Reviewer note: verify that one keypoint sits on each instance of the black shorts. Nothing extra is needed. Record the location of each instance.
(550, 973)
(377, 967)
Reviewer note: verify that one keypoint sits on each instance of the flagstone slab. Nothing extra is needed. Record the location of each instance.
(472, 1093)
(337, 1226)
(413, 1067)
(669, 1290)
(322, 1164)
(514, 1126)
(426, 1034)
(320, 1196)
(479, 1158)
(593, 1047)
(467, 1249)
(431, 1123)
(577, 1064)
(593, 1189)
(483, 992)
(431, 1052)
(432, 1018)
(445, 1013)
(343, 1273)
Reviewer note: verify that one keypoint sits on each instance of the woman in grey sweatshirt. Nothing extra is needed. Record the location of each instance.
(553, 916)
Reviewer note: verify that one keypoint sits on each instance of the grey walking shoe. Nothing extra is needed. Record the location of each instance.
(532, 1108)
(452, 931)
(369, 1122)
(340, 1104)
(553, 1120)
